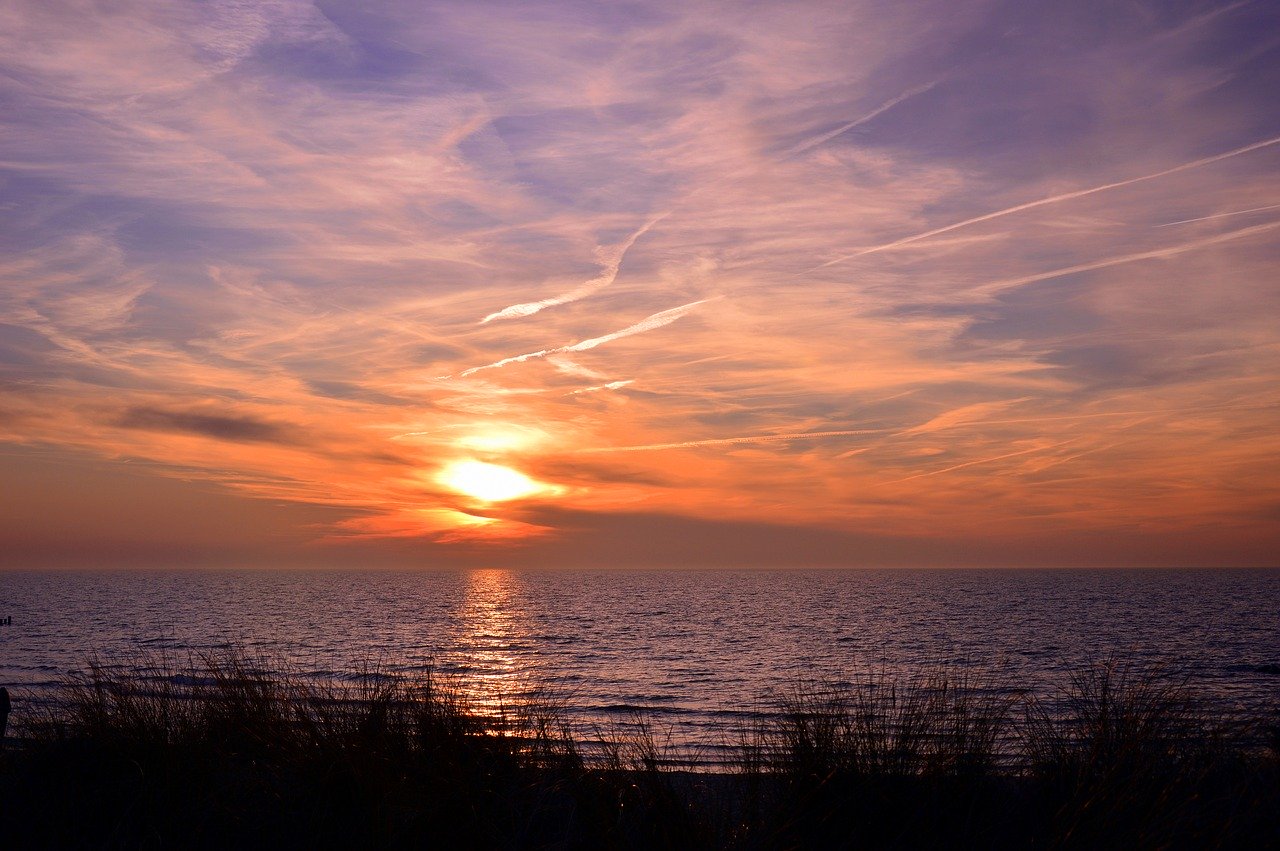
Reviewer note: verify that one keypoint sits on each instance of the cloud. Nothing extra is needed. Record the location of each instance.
(1001, 457)
(844, 128)
(751, 438)
(1156, 254)
(965, 415)
(1055, 199)
(237, 429)
(611, 262)
(650, 323)
(612, 385)
(1222, 215)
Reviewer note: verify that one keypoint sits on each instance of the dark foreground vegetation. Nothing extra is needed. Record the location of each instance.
(223, 755)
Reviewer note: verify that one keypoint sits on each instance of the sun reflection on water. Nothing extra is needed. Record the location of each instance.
(490, 637)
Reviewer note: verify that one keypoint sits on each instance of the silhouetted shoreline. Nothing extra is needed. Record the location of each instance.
(221, 753)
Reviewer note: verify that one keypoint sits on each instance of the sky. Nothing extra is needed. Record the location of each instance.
(928, 283)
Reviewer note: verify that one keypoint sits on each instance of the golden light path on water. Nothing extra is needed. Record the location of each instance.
(491, 676)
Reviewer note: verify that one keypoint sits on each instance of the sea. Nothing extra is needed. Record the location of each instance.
(690, 650)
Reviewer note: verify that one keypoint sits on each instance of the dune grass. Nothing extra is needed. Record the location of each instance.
(216, 752)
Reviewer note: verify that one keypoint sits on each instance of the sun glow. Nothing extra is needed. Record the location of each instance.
(488, 482)
(506, 438)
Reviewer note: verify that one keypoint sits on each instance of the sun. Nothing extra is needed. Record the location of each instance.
(487, 482)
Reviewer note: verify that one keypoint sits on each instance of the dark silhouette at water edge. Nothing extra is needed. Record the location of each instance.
(5, 707)
(220, 753)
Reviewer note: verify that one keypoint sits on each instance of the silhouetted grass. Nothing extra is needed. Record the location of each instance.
(1133, 758)
(219, 753)
(1119, 759)
(934, 725)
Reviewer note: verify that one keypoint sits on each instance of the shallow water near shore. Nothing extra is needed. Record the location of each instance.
(695, 649)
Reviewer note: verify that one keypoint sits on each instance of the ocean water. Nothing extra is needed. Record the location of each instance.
(694, 648)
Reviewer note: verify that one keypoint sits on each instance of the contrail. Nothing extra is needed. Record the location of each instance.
(612, 385)
(1142, 413)
(610, 263)
(725, 441)
(985, 460)
(884, 107)
(1053, 199)
(811, 435)
(996, 286)
(657, 320)
(569, 367)
(1021, 420)
(1219, 216)
(893, 432)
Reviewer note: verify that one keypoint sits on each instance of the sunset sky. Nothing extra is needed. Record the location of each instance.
(653, 283)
